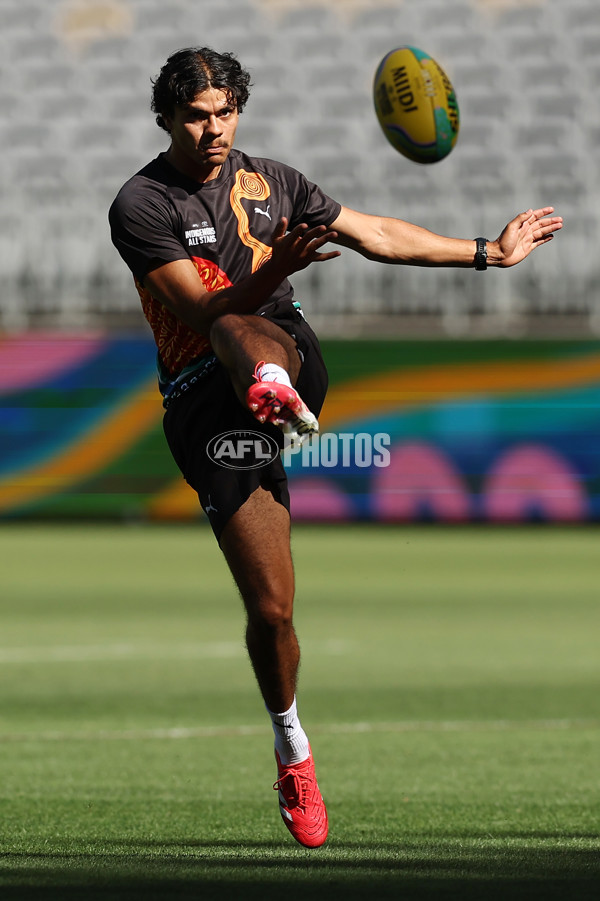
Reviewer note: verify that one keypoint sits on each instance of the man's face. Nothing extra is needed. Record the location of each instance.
(202, 134)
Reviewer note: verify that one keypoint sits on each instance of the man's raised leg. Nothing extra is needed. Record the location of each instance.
(264, 364)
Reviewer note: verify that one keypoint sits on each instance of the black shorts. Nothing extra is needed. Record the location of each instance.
(211, 408)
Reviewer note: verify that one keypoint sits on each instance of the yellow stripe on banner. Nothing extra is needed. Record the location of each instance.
(95, 449)
(176, 501)
(414, 387)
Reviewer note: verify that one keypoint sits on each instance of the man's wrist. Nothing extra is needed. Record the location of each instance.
(269, 275)
(495, 257)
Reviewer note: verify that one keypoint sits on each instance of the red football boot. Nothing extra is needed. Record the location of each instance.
(281, 405)
(302, 807)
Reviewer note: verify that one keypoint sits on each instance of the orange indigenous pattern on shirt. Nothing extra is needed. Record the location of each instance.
(250, 186)
(177, 343)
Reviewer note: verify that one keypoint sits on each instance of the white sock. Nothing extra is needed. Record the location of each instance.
(271, 372)
(291, 742)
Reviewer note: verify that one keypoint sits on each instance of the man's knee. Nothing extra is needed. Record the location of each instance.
(270, 610)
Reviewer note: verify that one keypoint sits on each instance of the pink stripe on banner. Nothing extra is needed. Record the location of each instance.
(35, 358)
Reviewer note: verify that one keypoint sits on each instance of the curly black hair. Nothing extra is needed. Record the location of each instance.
(188, 72)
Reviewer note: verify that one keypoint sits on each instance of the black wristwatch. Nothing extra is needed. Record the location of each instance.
(481, 254)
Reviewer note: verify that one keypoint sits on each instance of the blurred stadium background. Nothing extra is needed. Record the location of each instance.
(488, 421)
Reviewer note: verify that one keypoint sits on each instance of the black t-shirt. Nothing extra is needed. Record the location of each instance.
(224, 226)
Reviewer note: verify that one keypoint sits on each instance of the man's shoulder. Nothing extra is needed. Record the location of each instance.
(149, 185)
(153, 176)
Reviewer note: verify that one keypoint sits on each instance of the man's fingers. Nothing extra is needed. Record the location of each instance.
(330, 255)
(320, 240)
(530, 216)
(544, 211)
(302, 245)
(316, 237)
(541, 228)
(280, 229)
(544, 232)
(541, 218)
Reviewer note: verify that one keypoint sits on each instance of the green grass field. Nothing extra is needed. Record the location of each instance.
(450, 687)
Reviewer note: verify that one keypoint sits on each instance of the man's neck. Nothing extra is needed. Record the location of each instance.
(187, 168)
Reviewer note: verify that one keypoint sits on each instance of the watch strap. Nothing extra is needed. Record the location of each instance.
(481, 254)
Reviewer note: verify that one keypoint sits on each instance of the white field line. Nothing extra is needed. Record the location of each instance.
(98, 653)
(402, 726)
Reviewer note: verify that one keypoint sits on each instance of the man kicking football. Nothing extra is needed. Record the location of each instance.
(211, 236)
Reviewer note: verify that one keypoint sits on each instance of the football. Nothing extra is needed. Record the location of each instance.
(416, 105)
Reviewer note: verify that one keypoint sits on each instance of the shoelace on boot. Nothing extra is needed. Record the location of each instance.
(297, 792)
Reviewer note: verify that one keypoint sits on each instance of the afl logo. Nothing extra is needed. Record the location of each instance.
(242, 449)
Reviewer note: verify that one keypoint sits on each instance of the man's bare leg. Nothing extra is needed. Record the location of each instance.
(256, 545)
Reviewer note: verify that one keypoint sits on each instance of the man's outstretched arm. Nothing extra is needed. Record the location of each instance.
(389, 240)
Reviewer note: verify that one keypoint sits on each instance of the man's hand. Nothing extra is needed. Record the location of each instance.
(526, 232)
(299, 248)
